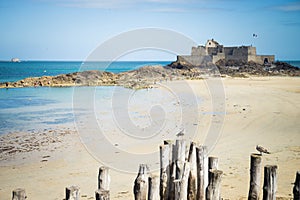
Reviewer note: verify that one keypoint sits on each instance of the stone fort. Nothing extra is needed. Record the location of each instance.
(213, 52)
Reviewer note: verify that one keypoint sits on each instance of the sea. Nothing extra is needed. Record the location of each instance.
(43, 108)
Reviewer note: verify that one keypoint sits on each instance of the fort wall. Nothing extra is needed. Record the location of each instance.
(218, 57)
(199, 51)
(262, 59)
(236, 53)
(213, 52)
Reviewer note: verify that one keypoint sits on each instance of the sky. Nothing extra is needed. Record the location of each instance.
(72, 29)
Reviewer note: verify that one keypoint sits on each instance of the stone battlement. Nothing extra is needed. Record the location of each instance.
(218, 52)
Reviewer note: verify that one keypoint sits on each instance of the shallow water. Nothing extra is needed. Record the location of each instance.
(28, 109)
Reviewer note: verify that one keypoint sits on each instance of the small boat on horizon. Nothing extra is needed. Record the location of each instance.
(15, 60)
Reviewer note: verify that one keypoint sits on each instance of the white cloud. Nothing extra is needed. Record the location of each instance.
(295, 6)
(111, 4)
(105, 4)
(173, 10)
(164, 6)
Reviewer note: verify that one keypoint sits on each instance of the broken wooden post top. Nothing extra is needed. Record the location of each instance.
(143, 169)
(213, 162)
(19, 194)
(140, 188)
(73, 187)
(19, 189)
(102, 194)
(216, 172)
(103, 168)
(166, 142)
(72, 193)
(256, 155)
(271, 167)
(202, 150)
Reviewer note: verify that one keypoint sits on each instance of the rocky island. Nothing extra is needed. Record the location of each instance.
(147, 76)
(212, 59)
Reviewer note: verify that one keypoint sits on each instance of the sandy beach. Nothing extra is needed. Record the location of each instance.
(258, 110)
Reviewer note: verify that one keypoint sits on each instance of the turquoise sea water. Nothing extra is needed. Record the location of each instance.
(295, 63)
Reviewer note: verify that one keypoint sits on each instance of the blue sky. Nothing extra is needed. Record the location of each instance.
(71, 29)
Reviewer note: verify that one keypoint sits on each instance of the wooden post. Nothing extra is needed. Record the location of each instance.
(255, 174)
(192, 183)
(270, 182)
(201, 170)
(296, 189)
(103, 178)
(178, 160)
(179, 154)
(183, 193)
(212, 164)
(165, 170)
(213, 189)
(72, 193)
(141, 183)
(154, 188)
(19, 194)
(172, 181)
(101, 194)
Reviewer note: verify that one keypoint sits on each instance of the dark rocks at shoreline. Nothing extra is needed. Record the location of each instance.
(236, 68)
(73, 79)
(145, 77)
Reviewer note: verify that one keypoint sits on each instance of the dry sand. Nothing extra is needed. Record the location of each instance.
(259, 110)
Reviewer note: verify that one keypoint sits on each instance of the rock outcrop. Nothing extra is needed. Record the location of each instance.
(144, 77)
(240, 68)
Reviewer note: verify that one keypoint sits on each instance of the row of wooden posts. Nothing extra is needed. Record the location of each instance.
(186, 173)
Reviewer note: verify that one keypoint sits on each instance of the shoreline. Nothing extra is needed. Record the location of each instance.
(259, 110)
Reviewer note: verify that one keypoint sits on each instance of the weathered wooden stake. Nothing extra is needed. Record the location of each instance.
(172, 181)
(296, 189)
(103, 178)
(178, 160)
(213, 191)
(270, 182)
(154, 189)
(255, 175)
(201, 170)
(72, 193)
(179, 154)
(192, 183)
(101, 194)
(141, 183)
(183, 193)
(19, 194)
(165, 170)
(212, 164)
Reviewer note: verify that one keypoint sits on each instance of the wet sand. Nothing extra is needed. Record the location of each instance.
(259, 110)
